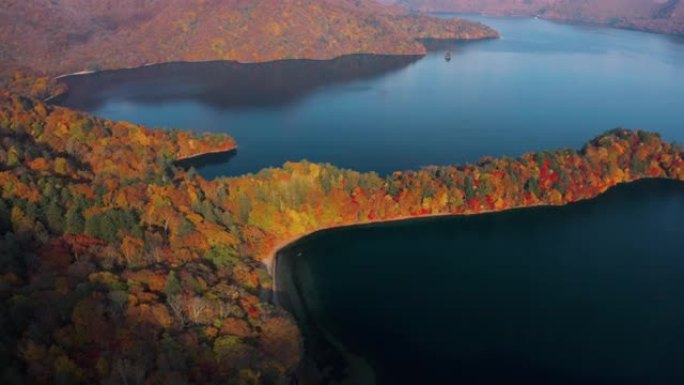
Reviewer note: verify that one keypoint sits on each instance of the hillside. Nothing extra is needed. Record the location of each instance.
(116, 266)
(63, 36)
(662, 16)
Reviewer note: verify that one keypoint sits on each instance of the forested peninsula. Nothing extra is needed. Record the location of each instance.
(120, 267)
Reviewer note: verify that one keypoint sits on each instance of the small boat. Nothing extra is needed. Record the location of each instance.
(447, 57)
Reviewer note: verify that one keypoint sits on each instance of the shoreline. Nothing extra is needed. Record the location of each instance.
(247, 62)
(270, 260)
(83, 73)
(193, 157)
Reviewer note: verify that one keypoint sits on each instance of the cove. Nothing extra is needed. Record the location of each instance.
(588, 293)
(542, 85)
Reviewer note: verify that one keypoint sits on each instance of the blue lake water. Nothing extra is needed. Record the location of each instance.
(584, 294)
(543, 85)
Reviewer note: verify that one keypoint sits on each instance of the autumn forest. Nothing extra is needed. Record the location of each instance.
(144, 269)
(120, 265)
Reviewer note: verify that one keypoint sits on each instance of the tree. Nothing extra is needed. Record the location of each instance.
(244, 207)
(186, 227)
(469, 188)
(227, 219)
(192, 173)
(173, 286)
(31, 211)
(108, 225)
(12, 158)
(74, 222)
(54, 214)
(93, 226)
(532, 186)
(222, 256)
(165, 173)
(5, 221)
(196, 308)
(638, 165)
(393, 187)
(208, 212)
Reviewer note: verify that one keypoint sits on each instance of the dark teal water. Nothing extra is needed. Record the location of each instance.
(585, 294)
(543, 85)
(589, 293)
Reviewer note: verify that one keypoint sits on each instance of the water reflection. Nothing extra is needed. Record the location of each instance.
(542, 86)
(226, 84)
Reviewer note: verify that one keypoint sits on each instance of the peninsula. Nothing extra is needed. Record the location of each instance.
(140, 269)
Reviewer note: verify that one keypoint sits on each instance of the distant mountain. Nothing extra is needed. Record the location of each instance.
(662, 16)
(62, 36)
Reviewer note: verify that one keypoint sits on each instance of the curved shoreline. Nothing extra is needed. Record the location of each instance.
(303, 281)
(271, 259)
(358, 363)
(203, 154)
(290, 59)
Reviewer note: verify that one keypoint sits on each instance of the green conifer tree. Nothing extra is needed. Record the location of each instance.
(54, 214)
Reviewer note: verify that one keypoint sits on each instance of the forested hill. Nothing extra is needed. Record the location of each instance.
(116, 266)
(662, 16)
(56, 37)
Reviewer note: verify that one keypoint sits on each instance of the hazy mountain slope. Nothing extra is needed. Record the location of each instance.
(59, 36)
(664, 16)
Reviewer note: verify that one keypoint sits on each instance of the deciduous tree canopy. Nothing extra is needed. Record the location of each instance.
(119, 267)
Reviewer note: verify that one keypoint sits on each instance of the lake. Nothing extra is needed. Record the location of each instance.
(542, 86)
(584, 294)
(588, 293)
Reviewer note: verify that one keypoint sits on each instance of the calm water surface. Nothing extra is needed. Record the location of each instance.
(543, 85)
(586, 294)
(589, 293)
